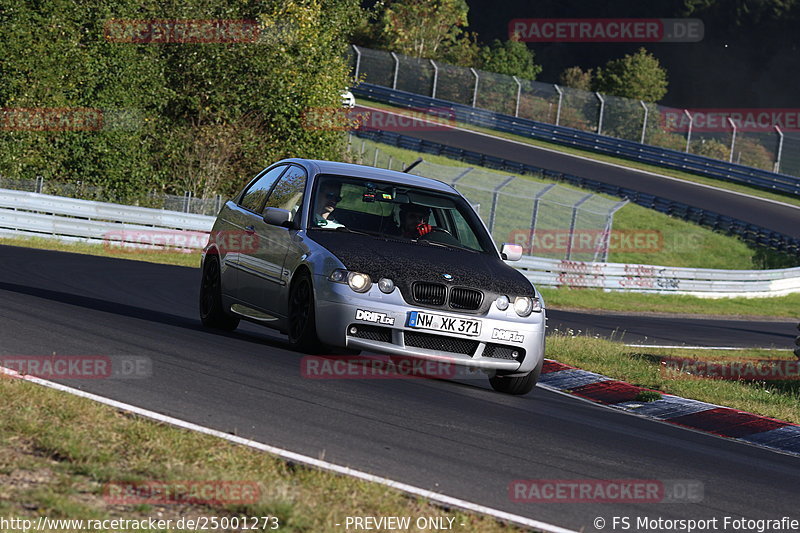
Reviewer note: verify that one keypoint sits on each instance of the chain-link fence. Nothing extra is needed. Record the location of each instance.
(547, 219)
(713, 133)
(185, 204)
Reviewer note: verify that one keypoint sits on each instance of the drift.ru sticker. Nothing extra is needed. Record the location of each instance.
(507, 335)
(374, 316)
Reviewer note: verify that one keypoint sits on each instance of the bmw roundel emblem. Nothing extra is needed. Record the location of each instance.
(447, 277)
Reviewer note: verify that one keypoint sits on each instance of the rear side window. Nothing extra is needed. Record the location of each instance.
(256, 194)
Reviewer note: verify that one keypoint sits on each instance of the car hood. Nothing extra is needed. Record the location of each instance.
(405, 262)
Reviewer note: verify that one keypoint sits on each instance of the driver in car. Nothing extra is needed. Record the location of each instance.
(414, 221)
(328, 196)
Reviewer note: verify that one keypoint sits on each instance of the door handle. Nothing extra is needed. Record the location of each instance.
(250, 229)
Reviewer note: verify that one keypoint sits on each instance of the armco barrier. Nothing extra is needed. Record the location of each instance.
(28, 214)
(662, 157)
(731, 226)
(40, 215)
(702, 282)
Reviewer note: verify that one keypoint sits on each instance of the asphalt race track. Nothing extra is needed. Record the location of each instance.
(459, 438)
(781, 218)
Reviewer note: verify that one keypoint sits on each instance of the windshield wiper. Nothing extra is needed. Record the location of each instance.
(345, 229)
(445, 245)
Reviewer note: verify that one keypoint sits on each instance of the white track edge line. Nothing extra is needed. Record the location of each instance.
(706, 347)
(608, 163)
(296, 457)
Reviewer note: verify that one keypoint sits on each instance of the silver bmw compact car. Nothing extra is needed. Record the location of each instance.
(350, 256)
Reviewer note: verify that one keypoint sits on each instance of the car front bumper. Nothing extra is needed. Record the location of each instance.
(381, 326)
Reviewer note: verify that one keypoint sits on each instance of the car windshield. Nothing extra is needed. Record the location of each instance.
(396, 211)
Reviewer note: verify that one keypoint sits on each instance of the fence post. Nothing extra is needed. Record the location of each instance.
(39, 184)
(496, 192)
(519, 92)
(358, 61)
(475, 90)
(435, 77)
(396, 70)
(644, 122)
(389, 166)
(535, 214)
(689, 131)
(733, 139)
(375, 159)
(187, 198)
(453, 183)
(780, 149)
(600, 118)
(560, 98)
(572, 223)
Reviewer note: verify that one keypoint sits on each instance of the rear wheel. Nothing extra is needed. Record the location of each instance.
(517, 385)
(302, 318)
(212, 314)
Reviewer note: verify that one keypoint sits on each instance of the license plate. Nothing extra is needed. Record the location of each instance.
(450, 324)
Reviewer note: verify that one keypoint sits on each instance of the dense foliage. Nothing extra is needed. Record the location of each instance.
(199, 116)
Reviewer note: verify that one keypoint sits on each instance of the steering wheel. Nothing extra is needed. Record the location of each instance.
(435, 229)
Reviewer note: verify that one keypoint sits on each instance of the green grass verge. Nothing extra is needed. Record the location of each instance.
(59, 453)
(746, 189)
(642, 367)
(633, 302)
(678, 243)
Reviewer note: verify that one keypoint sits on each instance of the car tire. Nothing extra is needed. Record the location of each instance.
(212, 314)
(517, 385)
(302, 316)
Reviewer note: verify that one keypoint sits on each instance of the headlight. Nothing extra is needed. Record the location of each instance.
(338, 275)
(502, 303)
(359, 282)
(386, 285)
(523, 305)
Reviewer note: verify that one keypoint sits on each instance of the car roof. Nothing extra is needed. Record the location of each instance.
(317, 166)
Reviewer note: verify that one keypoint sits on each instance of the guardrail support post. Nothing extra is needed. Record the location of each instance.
(780, 149)
(358, 61)
(689, 131)
(600, 118)
(560, 98)
(495, 193)
(519, 92)
(572, 223)
(435, 77)
(475, 90)
(396, 70)
(733, 139)
(644, 122)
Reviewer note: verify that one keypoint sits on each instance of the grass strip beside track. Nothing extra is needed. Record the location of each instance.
(59, 453)
(642, 367)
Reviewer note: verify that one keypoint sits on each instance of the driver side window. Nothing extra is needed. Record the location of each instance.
(288, 192)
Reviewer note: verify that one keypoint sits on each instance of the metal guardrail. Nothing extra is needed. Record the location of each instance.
(27, 214)
(41, 215)
(702, 282)
(750, 233)
(662, 157)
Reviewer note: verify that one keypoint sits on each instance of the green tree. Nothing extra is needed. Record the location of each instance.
(638, 76)
(511, 57)
(576, 78)
(423, 28)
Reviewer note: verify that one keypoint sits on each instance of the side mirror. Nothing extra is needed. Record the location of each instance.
(511, 252)
(276, 216)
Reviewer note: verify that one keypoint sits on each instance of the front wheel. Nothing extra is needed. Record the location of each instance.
(212, 313)
(517, 385)
(302, 316)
